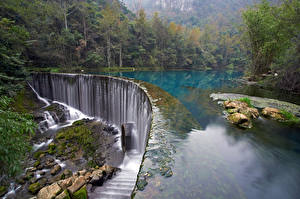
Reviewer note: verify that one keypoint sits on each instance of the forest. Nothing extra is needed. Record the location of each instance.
(73, 35)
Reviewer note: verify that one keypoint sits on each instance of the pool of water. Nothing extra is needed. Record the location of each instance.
(217, 160)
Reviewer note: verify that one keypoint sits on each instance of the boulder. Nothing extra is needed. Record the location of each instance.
(55, 169)
(240, 120)
(81, 193)
(78, 183)
(64, 184)
(49, 192)
(63, 195)
(273, 113)
(235, 104)
(34, 188)
(250, 112)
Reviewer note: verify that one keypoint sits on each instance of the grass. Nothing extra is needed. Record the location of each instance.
(247, 101)
(291, 118)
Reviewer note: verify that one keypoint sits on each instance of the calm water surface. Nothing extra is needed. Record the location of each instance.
(218, 160)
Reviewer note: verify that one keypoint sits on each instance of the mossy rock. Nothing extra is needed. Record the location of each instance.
(34, 188)
(64, 195)
(37, 163)
(3, 190)
(80, 194)
(37, 154)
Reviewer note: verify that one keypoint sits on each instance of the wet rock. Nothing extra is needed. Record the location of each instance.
(78, 183)
(272, 113)
(43, 181)
(49, 163)
(34, 188)
(97, 180)
(240, 120)
(58, 112)
(141, 184)
(49, 192)
(56, 169)
(33, 180)
(66, 174)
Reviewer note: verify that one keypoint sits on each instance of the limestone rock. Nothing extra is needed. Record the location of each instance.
(273, 113)
(65, 183)
(78, 183)
(49, 192)
(56, 169)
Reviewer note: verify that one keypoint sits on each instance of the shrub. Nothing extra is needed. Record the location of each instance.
(15, 132)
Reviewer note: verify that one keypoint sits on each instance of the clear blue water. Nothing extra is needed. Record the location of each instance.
(219, 160)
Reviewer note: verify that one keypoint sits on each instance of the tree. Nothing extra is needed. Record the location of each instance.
(268, 34)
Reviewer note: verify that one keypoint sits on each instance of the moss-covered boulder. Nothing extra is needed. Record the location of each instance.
(34, 188)
(81, 193)
(63, 195)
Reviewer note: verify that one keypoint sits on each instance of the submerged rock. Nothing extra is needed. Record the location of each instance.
(56, 169)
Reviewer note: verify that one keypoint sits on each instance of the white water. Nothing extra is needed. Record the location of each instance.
(39, 97)
(115, 100)
(38, 146)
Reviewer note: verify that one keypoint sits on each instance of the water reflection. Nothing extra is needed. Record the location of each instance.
(220, 160)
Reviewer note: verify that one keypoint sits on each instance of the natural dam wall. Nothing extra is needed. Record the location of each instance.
(114, 100)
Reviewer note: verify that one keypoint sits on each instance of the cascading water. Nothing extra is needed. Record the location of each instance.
(116, 101)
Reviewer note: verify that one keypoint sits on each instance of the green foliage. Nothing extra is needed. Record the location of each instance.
(16, 129)
(270, 29)
(290, 118)
(247, 101)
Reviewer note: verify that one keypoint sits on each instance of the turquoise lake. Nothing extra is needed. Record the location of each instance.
(217, 160)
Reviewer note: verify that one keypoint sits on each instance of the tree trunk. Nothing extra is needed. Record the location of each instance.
(120, 56)
(84, 29)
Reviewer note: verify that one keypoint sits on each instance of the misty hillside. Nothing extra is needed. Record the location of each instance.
(192, 12)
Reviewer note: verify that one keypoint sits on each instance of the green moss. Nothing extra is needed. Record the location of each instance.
(37, 163)
(80, 194)
(247, 101)
(91, 164)
(78, 123)
(34, 188)
(290, 118)
(37, 154)
(51, 149)
(75, 135)
(67, 195)
(3, 190)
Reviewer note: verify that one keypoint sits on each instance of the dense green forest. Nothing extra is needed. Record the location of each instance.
(63, 35)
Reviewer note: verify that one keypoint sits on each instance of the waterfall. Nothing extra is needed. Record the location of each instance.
(114, 100)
